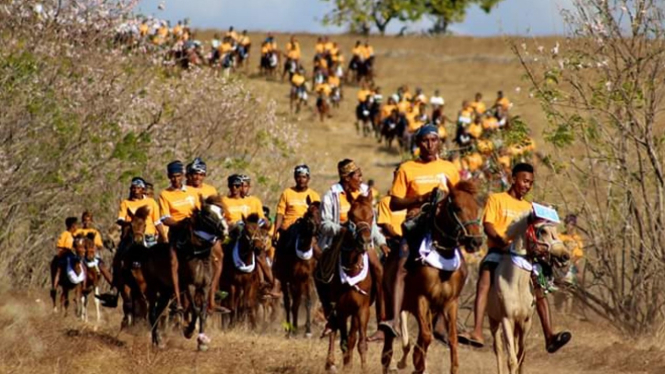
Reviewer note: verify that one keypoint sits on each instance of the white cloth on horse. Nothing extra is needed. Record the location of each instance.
(436, 100)
(353, 280)
(239, 264)
(521, 262)
(72, 276)
(303, 255)
(432, 257)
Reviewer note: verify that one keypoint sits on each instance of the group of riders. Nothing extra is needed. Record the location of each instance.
(397, 214)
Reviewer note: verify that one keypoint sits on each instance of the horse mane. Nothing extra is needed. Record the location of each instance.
(214, 200)
(517, 229)
(143, 212)
(253, 218)
(467, 186)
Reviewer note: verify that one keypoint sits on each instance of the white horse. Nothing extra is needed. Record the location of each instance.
(511, 299)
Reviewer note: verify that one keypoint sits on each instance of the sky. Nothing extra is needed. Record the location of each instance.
(514, 17)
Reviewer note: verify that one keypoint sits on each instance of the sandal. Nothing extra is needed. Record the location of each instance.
(558, 341)
(466, 339)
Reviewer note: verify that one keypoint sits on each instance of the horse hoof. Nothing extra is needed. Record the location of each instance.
(332, 369)
(308, 335)
(203, 347)
(401, 365)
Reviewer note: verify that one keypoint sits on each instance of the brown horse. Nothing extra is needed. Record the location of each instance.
(197, 235)
(295, 261)
(72, 276)
(323, 106)
(453, 222)
(91, 283)
(351, 286)
(241, 278)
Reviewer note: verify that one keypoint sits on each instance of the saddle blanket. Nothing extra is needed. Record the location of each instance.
(352, 281)
(517, 260)
(73, 277)
(433, 258)
(239, 264)
(303, 255)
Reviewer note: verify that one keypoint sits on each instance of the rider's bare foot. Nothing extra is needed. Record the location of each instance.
(378, 336)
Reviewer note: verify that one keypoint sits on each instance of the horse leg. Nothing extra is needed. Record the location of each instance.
(64, 301)
(330, 360)
(362, 332)
(521, 343)
(406, 344)
(509, 337)
(424, 335)
(203, 340)
(84, 307)
(97, 305)
(286, 297)
(308, 308)
(295, 307)
(495, 327)
(352, 340)
(194, 312)
(451, 319)
(387, 354)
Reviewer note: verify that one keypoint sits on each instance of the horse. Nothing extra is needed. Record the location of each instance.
(365, 72)
(242, 55)
(350, 288)
(336, 97)
(290, 67)
(298, 97)
(511, 300)
(241, 278)
(90, 284)
(269, 63)
(452, 221)
(295, 260)
(363, 119)
(72, 276)
(323, 106)
(197, 235)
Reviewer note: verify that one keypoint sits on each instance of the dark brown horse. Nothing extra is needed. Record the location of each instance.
(197, 235)
(351, 287)
(91, 283)
(453, 222)
(71, 278)
(241, 278)
(295, 260)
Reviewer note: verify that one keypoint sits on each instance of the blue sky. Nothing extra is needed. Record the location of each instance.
(532, 17)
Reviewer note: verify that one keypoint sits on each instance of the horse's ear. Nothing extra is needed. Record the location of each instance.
(308, 201)
(130, 214)
(449, 185)
(202, 201)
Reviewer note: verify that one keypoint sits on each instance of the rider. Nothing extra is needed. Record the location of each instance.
(478, 105)
(298, 85)
(368, 51)
(196, 174)
(293, 201)
(154, 230)
(501, 209)
(64, 245)
(412, 187)
(292, 55)
(334, 213)
(574, 243)
(176, 203)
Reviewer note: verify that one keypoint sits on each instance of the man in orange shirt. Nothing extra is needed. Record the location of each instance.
(412, 187)
(196, 174)
(176, 203)
(501, 209)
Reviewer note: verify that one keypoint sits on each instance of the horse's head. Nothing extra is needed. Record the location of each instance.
(542, 242)
(456, 219)
(255, 232)
(208, 224)
(312, 217)
(361, 218)
(138, 224)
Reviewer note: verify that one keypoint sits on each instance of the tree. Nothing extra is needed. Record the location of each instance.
(601, 91)
(446, 12)
(359, 15)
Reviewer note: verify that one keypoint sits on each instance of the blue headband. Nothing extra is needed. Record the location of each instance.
(138, 182)
(175, 167)
(301, 169)
(426, 130)
(197, 166)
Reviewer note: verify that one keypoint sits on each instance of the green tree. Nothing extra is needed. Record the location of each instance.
(360, 15)
(446, 12)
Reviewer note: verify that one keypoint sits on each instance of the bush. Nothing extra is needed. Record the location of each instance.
(80, 117)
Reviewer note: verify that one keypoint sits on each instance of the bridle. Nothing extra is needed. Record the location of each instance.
(356, 230)
(534, 244)
(460, 232)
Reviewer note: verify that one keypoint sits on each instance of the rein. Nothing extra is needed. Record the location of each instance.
(460, 232)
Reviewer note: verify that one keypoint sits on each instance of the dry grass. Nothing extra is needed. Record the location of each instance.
(33, 340)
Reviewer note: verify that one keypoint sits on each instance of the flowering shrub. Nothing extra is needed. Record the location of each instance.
(80, 117)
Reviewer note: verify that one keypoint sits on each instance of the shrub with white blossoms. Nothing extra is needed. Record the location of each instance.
(80, 117)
